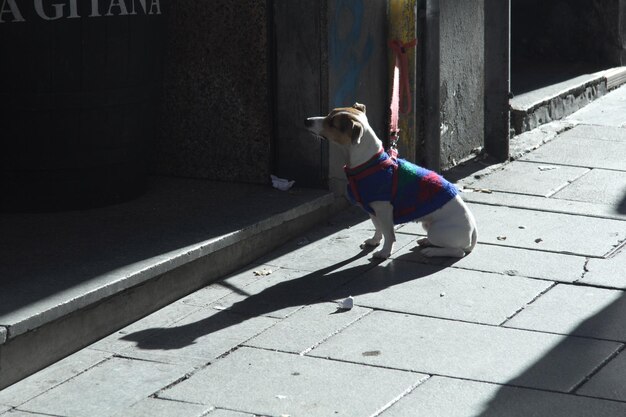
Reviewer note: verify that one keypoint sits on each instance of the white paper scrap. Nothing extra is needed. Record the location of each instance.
(346, 303)
(281, 183)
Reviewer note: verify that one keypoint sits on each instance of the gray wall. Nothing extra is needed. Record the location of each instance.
(216, 112)
(329, 53)
(300, 88)
(462, 78)
(241, 76)
(232, 111)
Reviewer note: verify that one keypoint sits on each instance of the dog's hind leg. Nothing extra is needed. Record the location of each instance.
(447, 239)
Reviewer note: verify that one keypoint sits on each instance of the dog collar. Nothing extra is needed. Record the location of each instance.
(375, 161)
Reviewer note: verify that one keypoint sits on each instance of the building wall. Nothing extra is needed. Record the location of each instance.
(462, 78)
(329, 53)
(215, 120)
(300, 89)
(570, 31)
(240, 77)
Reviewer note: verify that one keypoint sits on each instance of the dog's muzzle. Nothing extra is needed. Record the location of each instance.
(314, 124)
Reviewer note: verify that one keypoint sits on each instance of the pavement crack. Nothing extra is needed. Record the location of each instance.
(171, 384)
(307, 350)
(616, 249)
(597, 369)
(554, 284)
(399, 397)
(585, 270)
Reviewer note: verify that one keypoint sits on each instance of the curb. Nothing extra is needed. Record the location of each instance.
(533, 109)
(47, 337)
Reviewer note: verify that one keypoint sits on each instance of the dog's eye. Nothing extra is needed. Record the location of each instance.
(341, 122)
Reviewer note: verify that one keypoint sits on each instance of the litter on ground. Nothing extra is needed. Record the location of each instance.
(346, 303)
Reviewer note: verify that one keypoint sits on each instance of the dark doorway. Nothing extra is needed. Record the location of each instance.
(554, 41)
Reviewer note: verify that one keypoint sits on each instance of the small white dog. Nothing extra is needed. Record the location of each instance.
(395, 191)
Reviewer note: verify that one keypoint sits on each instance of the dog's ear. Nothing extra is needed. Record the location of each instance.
(357, 132)
(360, 107)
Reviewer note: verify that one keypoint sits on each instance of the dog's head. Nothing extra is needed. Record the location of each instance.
(344, 125)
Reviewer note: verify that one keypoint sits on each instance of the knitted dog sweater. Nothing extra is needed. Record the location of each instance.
(413, 191)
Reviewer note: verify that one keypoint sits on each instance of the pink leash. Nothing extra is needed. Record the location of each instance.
(401, 91)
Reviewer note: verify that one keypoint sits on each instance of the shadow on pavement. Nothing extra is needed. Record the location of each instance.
(621, 206)
(312, 288)
(593, 343)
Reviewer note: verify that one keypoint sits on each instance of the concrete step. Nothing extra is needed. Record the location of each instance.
(555, 102)
(71, 278)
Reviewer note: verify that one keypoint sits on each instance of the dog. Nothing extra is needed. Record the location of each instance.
(395, 191)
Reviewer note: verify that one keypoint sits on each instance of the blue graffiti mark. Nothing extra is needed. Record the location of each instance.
(347, 58)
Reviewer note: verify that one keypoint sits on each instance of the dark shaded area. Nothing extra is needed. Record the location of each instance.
(610, 322)
(59, 256)
(555, 41)
(78, 100)
(621, 207)
(215, 119)
(470, 167)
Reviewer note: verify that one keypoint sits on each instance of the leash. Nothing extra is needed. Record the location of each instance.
(400, 104)
(401, 91)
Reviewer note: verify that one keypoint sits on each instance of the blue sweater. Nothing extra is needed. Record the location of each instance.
(413, 191)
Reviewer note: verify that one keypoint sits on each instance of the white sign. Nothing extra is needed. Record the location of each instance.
(68, 9)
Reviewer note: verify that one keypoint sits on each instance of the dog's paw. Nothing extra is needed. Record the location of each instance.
(424, 242)
(382, 254)
(370, 243)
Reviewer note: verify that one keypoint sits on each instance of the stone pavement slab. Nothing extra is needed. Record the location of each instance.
(592, 132)
(609, 381)
(581, 152)
(446, 397)
(563, 233)
(337, 251)
(546, 204)
(51, 376)
(165, 317)
(108, 388)
(18, 413)
(609, 110)
(281, 383)
(508, 261)
(609, 272)
(306, 328)
(154, 407)
(429, 290)
(467, 350)
(197, 339)
(530, 178)
(522, 262)
(226, 286)
(229, 413)
(285, 291)
(598, 186)
(576, 310)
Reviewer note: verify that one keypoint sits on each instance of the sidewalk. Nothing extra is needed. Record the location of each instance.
(532, 323)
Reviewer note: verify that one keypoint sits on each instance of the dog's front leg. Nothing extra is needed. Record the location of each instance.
(378, 234)
(384, 224)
